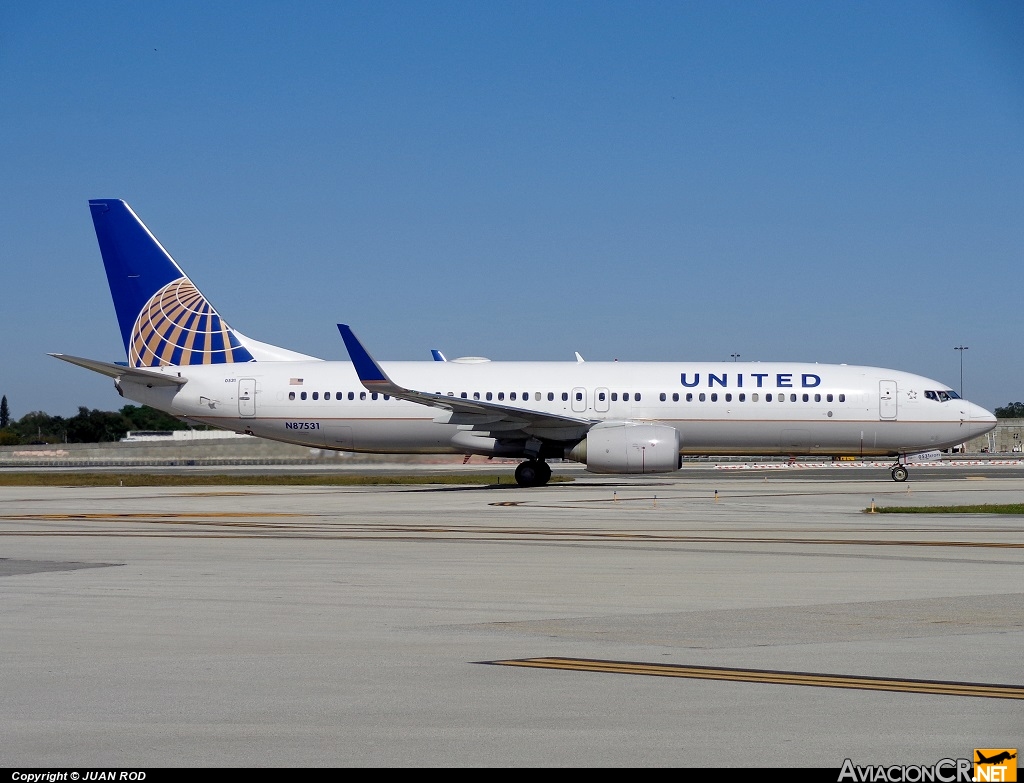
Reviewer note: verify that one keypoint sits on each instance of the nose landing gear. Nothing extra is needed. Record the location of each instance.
(533, 473)
(899, 473)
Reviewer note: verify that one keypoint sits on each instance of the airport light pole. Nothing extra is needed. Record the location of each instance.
(961, 348)
(734, 356)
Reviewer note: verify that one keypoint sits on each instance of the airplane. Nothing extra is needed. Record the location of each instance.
(996, 759)
(615, 417)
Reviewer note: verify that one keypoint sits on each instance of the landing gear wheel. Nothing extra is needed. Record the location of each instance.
(899, 473)
(543, 474)
(532, 474)
(526, 474)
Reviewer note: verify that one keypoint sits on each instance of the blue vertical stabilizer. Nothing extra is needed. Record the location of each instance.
(164, 318)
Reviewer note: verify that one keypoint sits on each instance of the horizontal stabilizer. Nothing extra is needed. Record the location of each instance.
(121, 372)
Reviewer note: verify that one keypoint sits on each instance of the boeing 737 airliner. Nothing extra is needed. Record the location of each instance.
(616, 417)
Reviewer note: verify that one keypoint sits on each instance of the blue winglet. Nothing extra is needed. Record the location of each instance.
(438, 356)
(366, 368)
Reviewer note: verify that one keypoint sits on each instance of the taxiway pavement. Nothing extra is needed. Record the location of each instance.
(402, 626)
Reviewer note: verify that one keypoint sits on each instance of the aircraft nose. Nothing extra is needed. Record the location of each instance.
(981, 420)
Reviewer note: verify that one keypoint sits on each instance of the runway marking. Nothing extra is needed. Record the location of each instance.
(154, 516)
(328, 526)
(978, 689)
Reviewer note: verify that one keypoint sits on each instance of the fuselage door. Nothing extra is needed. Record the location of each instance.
(246, 396)
(601, 400)
(887, 399)
(579, 400)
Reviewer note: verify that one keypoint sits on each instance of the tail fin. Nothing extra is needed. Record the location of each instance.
(164, 318)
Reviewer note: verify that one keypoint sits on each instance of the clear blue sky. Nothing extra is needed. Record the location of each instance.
(813, 181)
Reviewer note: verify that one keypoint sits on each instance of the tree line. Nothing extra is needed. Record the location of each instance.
(1013, 410)
(88, 426)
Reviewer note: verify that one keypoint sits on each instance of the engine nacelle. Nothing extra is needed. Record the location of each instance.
(629, 448)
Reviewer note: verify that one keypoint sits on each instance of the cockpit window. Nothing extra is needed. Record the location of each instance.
(942, 395)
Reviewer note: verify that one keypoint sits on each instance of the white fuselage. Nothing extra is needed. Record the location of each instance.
(717, 408)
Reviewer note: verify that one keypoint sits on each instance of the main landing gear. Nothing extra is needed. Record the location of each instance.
(899, 473)
(533, 473)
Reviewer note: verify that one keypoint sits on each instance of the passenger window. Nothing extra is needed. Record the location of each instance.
(512, 396)
(615, 396)
(662, 397)
(714, 396)
(489, 395)
(842, 398)
(743, 397)
(636, 397)
(565, 397)
(501, 396)
(702, 397)
(579, 396)
(387, 396)
(817, 398)
(675, 396)
(362, 395)
(291, 395)
(303, 395)
(689, 396)
(728, 397)
(476, 395)
(754, 397)
(768, 397)
(792, 398)
(625, 396)
(828, 398)
(373, 395)
(807, 398)
(551, 396)
(338, 395)
(316, 395)
(536, 396)
(600, 396)
(351, 395)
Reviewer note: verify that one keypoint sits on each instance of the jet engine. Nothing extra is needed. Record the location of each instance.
(629, 448)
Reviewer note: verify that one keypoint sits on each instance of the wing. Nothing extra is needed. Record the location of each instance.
(504, 420)
(120, 372)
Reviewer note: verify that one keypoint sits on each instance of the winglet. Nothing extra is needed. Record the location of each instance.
(369, 372)
(438, 356)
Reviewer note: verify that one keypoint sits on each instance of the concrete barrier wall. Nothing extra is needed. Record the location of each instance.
(234, 451)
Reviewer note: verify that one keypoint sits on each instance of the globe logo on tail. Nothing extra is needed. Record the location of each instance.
(179, 327)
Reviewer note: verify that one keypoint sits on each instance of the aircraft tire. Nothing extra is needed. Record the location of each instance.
(532, 473)
(526, 474)
(543, 473)
(900, 473)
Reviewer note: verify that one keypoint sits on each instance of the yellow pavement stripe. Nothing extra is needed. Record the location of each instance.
(983, 690)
